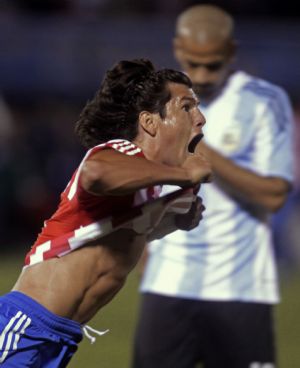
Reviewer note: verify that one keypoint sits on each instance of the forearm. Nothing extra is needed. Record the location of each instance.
(123, 175)
(247, 186)
(166, 226)
(174, 220)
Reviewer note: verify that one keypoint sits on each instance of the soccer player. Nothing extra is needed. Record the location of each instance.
(208, 293)
(137, 129)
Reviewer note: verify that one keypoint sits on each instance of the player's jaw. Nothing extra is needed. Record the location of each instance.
(205, 90)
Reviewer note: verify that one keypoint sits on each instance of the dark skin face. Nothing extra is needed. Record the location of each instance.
(206, 63)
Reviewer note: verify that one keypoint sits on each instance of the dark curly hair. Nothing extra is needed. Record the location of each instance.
(129, 88)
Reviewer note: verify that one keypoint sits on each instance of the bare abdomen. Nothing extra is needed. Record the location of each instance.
(77, 285)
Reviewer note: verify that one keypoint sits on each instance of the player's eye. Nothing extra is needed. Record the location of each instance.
(213, 67)
(186, 107)
(193, 65)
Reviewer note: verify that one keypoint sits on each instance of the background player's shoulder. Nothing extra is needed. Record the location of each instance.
(264, 90)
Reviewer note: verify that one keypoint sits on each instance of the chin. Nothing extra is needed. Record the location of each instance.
(207, 95)
(204, 93)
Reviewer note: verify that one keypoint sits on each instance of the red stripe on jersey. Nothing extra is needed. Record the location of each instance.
(82, 216)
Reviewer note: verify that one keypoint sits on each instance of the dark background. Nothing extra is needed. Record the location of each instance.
(52, 58)
(53, 55)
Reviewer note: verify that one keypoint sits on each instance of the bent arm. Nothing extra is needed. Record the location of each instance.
(267, 185)
(267, 192)
(173, 221)
(165, 227)
(111, 173)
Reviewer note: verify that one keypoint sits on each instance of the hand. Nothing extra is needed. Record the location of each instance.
(198, 168)
(191, 220)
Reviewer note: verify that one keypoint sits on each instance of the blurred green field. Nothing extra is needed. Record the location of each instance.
(113, 349)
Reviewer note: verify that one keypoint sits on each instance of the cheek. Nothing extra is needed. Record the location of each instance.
(170, 136)
(221, 76)
(178, 129)
(174, 140)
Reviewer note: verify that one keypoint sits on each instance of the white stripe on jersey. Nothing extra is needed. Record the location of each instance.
(126, 147)
(229, 256)
(73, 187)
(38, 255)
(119, 145)
(89, 233)
(120, 141)
(133, 152)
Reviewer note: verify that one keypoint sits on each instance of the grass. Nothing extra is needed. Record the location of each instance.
(113, 349)
(288, 322)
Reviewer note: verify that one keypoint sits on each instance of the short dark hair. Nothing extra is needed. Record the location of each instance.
(127, 89)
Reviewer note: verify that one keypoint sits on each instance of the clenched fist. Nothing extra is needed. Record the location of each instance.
(191, 219)
(198, 168)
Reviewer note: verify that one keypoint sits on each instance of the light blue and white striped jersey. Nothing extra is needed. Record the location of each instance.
(229, 256)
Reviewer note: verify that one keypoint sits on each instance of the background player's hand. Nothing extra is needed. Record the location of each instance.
(198, 168)
(191, 219)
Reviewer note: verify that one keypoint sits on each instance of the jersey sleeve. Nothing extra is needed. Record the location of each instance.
(273, 149)
(75, 188)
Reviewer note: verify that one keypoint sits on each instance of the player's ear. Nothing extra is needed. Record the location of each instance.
(148, 122)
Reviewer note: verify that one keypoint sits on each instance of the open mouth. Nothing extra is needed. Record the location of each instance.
(193, 143)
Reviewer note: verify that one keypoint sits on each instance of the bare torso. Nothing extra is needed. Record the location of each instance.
(78, 284)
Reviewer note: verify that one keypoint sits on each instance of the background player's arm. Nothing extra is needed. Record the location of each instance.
(111, 173)
(272, 157)
(267, 192)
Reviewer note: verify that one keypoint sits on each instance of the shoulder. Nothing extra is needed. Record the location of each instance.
(118, 145)
(263, 91)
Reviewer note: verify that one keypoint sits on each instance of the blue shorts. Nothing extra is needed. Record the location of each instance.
(32, 336)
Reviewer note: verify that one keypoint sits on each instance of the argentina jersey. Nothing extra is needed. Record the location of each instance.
(229, 256)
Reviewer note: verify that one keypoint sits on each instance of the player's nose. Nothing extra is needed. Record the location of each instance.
(200, 120)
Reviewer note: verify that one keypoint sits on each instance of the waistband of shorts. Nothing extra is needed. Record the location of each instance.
(50, 321)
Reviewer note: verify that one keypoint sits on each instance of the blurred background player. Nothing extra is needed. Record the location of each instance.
(137, 130)
(208, 294)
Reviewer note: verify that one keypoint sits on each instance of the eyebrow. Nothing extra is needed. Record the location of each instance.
(215, 63)
(193, 63)
(190, 99)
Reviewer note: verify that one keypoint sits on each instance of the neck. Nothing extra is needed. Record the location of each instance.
(149, 147)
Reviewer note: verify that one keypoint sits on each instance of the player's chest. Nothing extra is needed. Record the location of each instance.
(229, 128)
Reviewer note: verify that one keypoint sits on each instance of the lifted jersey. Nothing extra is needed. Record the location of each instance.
(82, 216)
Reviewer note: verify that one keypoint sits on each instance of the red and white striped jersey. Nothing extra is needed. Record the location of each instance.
(82, 216)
